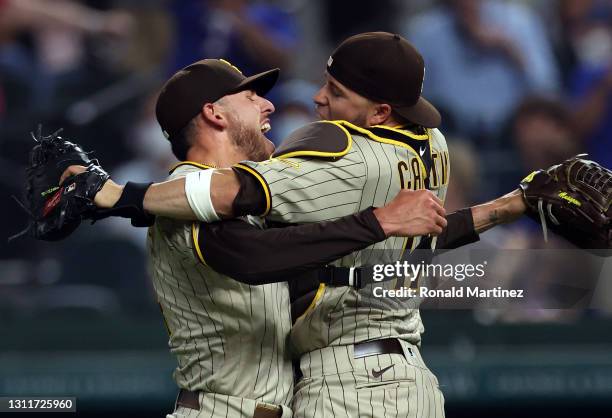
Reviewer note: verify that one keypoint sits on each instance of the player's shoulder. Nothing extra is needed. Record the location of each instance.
(412, 139)
(436, 134)
(323, 139)
(334, 139)
(437, 139)
(182, 168)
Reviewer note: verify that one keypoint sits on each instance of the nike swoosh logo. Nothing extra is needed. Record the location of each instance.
(422, 151)
(376, 374)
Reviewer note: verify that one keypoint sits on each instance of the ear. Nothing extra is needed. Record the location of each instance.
(213, 114)
(379, 114)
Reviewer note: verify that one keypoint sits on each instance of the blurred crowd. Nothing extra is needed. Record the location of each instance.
(521, 85)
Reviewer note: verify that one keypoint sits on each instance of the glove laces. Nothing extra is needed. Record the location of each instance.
(542, 214)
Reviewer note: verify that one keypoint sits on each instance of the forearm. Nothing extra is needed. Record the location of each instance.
(181, 198)
(170, 198)
(161, 199)
(465, 225)
(502, 210)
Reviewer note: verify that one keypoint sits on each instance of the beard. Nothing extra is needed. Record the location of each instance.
(249, 140)
(360, 119)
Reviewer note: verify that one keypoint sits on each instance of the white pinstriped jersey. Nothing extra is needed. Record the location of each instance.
(228, 337)
(370, 172)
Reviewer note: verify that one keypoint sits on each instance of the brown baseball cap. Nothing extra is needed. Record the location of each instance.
(386, 68)
(205, 81)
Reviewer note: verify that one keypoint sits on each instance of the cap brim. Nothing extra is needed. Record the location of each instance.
(423, 113)
(261, 83)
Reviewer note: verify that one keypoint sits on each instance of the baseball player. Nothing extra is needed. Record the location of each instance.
(230, 338)
(357, 358)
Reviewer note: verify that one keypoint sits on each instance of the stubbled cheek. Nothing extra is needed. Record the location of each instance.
(325, 113)
(338, 115)
(270, 147)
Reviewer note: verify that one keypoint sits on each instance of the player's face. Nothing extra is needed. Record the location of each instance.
(249, 118)
(335, 101)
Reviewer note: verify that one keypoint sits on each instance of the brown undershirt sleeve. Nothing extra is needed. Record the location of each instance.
(258, 256)
(251, 198)
(459, 231)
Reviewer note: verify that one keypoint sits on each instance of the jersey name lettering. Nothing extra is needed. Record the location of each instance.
(439, 172)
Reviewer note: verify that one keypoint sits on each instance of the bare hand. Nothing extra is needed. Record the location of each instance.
(73, 170)
(106, 197)
(412, 213)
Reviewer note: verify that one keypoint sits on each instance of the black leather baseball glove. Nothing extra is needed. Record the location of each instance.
(56, 210)
(573, 200)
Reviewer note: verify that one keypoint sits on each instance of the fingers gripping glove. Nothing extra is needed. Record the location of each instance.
(56, 211)
(573, 200)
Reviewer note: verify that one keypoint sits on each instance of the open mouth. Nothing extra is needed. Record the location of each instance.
(265, 127)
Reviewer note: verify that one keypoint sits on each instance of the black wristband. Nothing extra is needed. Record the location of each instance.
(133, 195)
(130, 205)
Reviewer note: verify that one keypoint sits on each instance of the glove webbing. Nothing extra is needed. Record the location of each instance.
(37, 138)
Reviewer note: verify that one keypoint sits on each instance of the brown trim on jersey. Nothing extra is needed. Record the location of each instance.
(459, 231)
(422, 143)
(326, 139)
(258, 256)
(263, 184)
(251, 197)
(405, 140)
(405, 131)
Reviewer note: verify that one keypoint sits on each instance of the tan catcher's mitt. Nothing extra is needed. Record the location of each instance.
(573, 200)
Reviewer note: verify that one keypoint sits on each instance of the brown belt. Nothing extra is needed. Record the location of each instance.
(370, 348)
(189, 399)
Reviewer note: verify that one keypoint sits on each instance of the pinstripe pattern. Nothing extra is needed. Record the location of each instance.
(216, 405)
(407, 389)
(313, 190)
(229, 338)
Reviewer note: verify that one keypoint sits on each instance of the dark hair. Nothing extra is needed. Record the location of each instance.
(182, 142)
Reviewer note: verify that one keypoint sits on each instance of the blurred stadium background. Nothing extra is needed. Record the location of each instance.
(521, 84)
